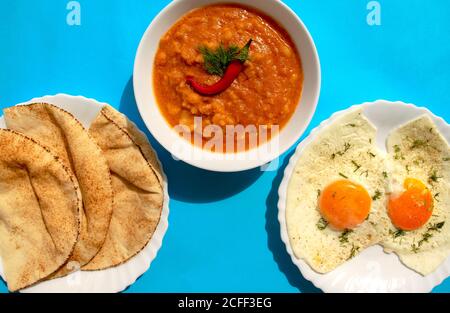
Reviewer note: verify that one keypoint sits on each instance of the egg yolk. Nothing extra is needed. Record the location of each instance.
(413, 208)
(344, 204)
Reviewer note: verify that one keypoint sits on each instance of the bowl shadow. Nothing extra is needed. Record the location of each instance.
(274, 242)
(188, 183)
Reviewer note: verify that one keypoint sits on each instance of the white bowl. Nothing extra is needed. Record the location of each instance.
(229, 162)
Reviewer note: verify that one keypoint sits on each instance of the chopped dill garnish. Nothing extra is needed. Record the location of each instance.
(397, 233)
(377, 195)
(385, 174)
(216, 61)
(347, 146)
(342, 175)
(343, 238)
(365, 172)
(398, 153)
(353, 252)
(322, 224)
(414, 248)
(319, 192)
(446, 159)
(407, 169)
(371, 154)
(418, 144)
(436, 227)
(426, 237)
(434, 178)
(418, 161)
(436, 196)
(356, 165)
(351, 125)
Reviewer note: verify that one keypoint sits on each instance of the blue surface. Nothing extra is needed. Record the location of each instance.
(223, 233)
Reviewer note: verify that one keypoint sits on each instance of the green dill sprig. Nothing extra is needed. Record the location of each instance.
(398, 153)
(347, 147)
(408, 169)
(216, 61)
(419, 144)
(343, 238)
(397, 233)
(419, 161)
(436, 227)
(427, 236)
(434, 178)
(353, 252)
(322, 224)
(377, 195)
(365, 172)
(436, 196)
(356, 165)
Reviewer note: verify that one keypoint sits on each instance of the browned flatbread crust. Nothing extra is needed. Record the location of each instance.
(67, 138)
(137, 185)
(40, 210)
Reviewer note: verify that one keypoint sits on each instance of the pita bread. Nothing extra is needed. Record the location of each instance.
(137, 185)
(136, 134)
(40, 208)
(67, 138)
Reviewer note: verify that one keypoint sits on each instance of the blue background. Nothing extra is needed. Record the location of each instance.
(224, 234)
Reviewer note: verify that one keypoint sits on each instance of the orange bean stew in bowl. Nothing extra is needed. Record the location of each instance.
(225, 65)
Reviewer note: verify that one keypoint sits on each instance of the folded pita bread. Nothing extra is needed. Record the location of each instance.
(40, 211)
(137, 185)
(67, 138)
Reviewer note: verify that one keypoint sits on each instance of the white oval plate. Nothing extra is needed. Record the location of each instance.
(114, 279)
(372, 270)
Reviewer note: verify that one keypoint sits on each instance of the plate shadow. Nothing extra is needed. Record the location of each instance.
(188, 183)
(274, 242)
(2, 281)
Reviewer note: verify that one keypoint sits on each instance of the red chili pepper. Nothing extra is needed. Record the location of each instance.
(232, 72)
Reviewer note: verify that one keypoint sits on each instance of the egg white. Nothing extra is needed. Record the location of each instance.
(344, 149)
(417, 150)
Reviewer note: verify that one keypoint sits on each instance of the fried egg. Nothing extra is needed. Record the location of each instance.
(337, 193)
(419, 202)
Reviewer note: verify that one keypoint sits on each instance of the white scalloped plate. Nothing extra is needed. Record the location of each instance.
(372, 270)
(114, 279)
